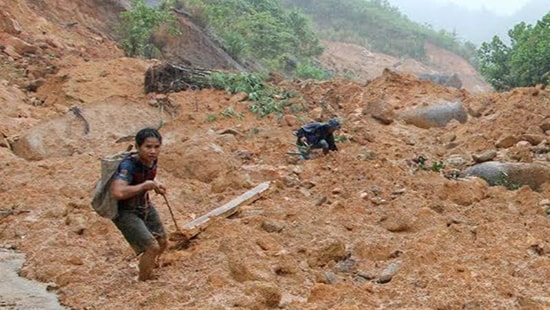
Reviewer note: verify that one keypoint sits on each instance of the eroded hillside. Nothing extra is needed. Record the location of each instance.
(369, 226)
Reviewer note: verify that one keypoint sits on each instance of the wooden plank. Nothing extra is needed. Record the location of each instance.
(194, 227)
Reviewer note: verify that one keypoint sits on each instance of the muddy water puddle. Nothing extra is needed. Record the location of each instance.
(20, 293)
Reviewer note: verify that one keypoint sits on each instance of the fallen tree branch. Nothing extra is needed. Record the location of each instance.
(165, 78)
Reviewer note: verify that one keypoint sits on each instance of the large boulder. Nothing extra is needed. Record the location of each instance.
(435, 116)
(511, 175)
(446, 80)
(202, 157)
(70, 134)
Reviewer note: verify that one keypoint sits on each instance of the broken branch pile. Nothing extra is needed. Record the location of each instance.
(165, 78)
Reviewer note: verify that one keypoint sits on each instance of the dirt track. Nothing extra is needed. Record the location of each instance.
(365, 227)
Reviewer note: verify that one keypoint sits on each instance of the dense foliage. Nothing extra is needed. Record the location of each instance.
(259, 31)
(379, 26)
(524, 63)
(279, 35)
(138, 25)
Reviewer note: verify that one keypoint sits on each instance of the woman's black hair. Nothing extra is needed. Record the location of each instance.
(147, 133)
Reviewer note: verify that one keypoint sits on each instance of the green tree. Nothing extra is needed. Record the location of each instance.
(379, 26)
(524, 63)
(140, 23)
(494, 63)
(261, 31)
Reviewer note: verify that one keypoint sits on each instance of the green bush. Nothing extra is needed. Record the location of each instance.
(524, 63)
(258, 31)
(139, 24)
(265, 99)
(308, 70)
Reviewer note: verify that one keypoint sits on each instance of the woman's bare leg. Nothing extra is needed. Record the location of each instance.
(147, 261)
(163, 243)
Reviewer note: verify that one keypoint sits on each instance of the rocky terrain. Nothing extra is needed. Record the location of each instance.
(394, 219)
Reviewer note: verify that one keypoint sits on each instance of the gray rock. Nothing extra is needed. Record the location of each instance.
(388, 273)
(446, 80)
(484, 156)
(435, 115)
(511, 175)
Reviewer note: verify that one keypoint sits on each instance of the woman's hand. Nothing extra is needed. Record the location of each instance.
(154, 185)
(160, 189)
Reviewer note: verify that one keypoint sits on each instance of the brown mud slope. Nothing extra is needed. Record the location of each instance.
(357, 62)
(365, 227)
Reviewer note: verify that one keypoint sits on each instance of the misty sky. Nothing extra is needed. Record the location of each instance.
(500, 7)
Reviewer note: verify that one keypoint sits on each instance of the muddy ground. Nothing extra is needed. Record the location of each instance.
(369, 226)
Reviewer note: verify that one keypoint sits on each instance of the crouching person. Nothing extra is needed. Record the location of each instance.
(316, 135)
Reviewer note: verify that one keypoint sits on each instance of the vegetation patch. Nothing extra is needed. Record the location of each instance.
(262, 32)
(524, 63)
(140, 23)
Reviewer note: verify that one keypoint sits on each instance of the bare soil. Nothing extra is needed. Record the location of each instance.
(364, 227)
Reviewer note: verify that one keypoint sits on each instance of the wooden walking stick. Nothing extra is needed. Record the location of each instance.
(179, 237)
(171, 213)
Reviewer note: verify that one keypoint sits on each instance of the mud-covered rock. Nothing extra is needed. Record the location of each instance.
(327, 251)
(446, 80)
(435, 115)
(511, 175)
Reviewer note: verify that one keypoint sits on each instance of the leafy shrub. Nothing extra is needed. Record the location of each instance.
(229, 112)
(265, 99)
(308, 70)
(524, 63)
(211, 118)
(139, 24)
(258, 31)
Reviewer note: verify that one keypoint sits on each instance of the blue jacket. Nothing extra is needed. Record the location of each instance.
(315, 132)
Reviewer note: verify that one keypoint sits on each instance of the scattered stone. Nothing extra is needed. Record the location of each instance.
(365, 154)
(229, 131)
(378, 201)
(321, 200)
(289, 120)
(380, 111)
(366, 275)
(455, 161)
(242, 272)
(545, 125)
(309, 184)
(243, 154)
(447, 137)
(388, 273)
(75, 260)
(34, 85)
(292, 181)
(452, 80)
(329, 278)
(397, 221)
(399, 191)
(271, 226)
(506, 142)
(266, 294)
(484, 156)
(346, 266)
(329, 250)
(534, 139)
